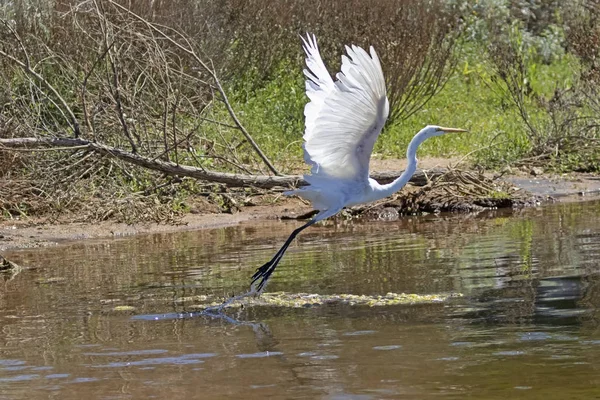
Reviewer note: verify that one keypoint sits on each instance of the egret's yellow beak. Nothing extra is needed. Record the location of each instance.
(449, 130)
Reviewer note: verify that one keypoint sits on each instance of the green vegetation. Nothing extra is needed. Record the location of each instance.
(504, 131)
(274, 114)
(179, 81)
(498, 137)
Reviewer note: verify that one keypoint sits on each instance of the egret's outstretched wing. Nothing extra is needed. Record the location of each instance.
(343, 118)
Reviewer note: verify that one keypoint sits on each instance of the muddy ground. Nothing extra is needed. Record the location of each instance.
(37, 232)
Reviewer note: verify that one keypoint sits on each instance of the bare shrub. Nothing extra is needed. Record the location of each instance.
(103, 73)
(563, 129)
(414, 39)
(250, 39)
(583, 37)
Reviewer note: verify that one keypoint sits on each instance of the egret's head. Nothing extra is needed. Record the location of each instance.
(424, 134)
(434, 130)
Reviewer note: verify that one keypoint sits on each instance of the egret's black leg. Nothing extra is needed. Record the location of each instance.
(263, 273)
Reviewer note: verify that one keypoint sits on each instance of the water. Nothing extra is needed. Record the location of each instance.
(98, 319)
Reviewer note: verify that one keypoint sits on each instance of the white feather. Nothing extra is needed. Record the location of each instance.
(343, 120)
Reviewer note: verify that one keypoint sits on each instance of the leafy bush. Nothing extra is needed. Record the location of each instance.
(557, 106)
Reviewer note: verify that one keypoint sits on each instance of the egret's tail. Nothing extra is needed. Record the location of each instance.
(320, 191)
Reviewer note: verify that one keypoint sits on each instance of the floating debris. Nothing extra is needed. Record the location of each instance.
(51, 280)
(8, 269)
(124, 308)
(306, 300)
(8, 266)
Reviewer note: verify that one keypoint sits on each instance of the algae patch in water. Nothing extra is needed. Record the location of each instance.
(124, 308)
(304, 300)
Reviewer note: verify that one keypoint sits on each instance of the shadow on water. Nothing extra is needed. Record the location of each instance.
(119, 318)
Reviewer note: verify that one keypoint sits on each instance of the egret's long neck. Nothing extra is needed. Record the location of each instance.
(411, 167)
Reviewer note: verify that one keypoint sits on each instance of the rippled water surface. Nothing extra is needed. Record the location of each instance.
(110, 319)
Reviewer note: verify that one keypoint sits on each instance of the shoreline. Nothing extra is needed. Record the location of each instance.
(30, 233)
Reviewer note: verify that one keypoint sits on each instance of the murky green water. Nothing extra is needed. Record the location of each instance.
(527, 326)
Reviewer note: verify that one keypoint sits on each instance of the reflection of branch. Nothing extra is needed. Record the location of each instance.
(170, 168)
(189, 50)
(25, 67)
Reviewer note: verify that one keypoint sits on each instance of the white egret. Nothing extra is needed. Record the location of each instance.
(343, 119)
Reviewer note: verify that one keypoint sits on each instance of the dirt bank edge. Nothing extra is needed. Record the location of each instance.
(32, 232)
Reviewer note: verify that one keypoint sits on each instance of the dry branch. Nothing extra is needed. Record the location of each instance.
(26, 66)
(173, 169)
(189, 50)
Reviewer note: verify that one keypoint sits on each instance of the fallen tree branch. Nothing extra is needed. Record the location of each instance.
(172, 169)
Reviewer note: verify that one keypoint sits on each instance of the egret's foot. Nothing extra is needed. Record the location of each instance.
(262, 275)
